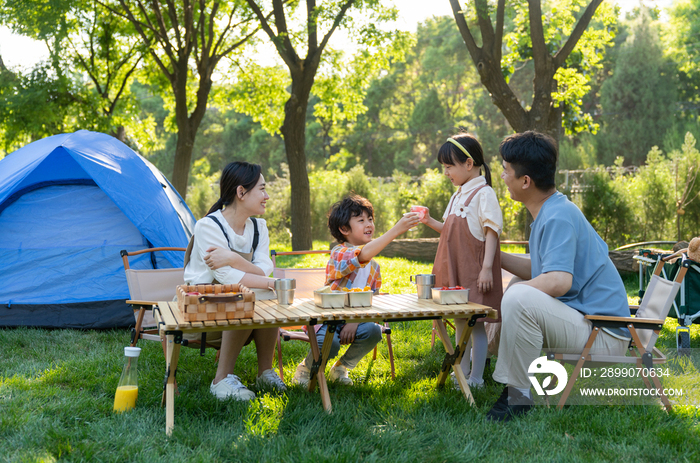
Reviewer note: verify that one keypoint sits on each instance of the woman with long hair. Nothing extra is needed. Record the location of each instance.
(232, 247)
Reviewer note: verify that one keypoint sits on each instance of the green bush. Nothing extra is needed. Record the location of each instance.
(659, 202)
(607, 209)
(434, 192)
(203, 190)
(514, 213)
(652, 192)
(686, 165)
(278, 210)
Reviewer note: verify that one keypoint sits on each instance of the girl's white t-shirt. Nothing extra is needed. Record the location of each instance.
(483, 211)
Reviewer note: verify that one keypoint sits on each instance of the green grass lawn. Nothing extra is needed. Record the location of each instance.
(57, 389)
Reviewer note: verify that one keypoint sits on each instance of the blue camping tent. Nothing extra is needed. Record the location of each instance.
(68, 204)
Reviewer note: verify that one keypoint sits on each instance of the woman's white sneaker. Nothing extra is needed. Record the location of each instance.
(231, 387)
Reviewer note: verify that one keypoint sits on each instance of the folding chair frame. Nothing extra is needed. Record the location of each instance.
(643, 356)
(141, 306)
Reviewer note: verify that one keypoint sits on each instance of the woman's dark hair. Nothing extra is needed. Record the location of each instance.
(533, 154)
(236, 174)
(450, 154)
(342, 211)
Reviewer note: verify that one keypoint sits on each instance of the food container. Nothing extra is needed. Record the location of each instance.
(450, 296)
(329, 300)
(358, 299)
(215, 302)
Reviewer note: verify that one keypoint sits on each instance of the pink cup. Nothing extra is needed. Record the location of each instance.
(421, 210)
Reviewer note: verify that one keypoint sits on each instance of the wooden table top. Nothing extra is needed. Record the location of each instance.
(388, 307)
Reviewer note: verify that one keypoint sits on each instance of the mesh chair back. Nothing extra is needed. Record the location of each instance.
(656, 303)
(307, 279)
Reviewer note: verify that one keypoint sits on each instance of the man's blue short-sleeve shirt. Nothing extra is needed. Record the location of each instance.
(562, 240)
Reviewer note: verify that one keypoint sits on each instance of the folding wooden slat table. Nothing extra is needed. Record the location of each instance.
(268, 314)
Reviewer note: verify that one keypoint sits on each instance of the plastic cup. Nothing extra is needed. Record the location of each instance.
(421, 210)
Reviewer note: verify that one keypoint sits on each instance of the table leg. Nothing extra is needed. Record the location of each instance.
(174, 341)
(321, 357)
(454, 360)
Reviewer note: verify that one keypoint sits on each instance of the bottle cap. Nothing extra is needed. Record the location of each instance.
(132, 351)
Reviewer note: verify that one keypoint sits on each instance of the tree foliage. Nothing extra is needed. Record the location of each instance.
(417, 104)
(639, 99)
(683, 42)
(302, 51)
(556, 39)
(84, 84)
(38, 103)
(185, 43)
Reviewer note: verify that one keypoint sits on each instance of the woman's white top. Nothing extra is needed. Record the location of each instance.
(208, 234)
(483, 211)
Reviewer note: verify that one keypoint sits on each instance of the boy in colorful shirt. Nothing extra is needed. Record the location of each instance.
(351, 265)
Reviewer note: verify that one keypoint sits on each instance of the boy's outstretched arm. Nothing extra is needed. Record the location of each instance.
(375, 246)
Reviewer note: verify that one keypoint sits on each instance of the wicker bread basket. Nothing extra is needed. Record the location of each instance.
(215, 302)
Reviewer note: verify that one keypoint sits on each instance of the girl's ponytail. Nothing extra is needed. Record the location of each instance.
(487, 174)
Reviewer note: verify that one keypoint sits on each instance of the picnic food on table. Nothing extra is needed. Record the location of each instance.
(327, 289)
(356, 290)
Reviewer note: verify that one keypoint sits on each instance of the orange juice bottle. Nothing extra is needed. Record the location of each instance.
(128, 388)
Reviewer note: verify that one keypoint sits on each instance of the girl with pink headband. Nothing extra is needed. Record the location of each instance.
(468, 251)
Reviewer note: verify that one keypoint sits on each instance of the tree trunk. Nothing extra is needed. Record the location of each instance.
(294, 134)
(542, 117)
(119, 133)
(187, 124)
(183, 158)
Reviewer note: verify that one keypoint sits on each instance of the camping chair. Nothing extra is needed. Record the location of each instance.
(644, 329)
(686, 306)
(146, 288)
(307, 281)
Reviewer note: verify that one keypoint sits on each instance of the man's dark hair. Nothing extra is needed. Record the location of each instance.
(342, 211)
(533, 154)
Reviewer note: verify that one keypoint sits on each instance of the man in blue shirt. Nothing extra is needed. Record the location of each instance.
(568, 275)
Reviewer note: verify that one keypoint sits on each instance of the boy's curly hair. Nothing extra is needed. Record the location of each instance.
(342, 211)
